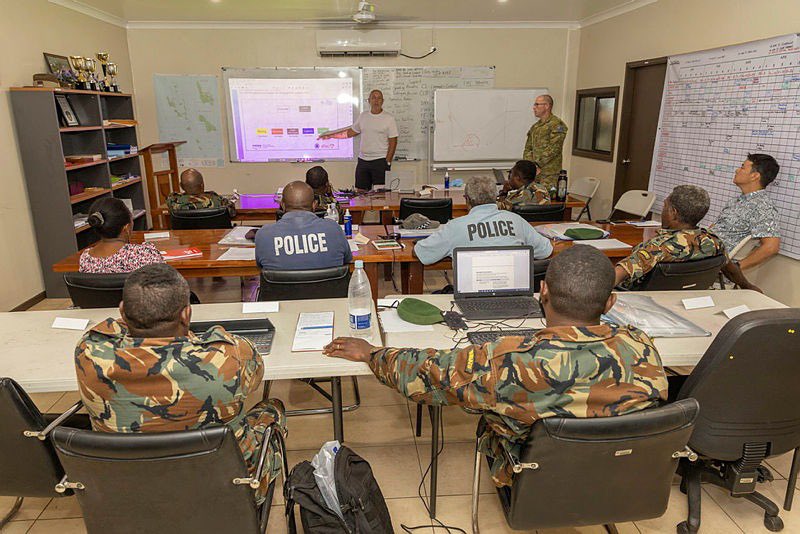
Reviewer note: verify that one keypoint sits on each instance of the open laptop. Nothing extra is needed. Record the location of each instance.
(259, 331)
(494, 282)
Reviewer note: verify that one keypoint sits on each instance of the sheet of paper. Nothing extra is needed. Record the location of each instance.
(361, 239)
(645, 224)
(238, 254)
(730, 313)
(70, 323)
(698, 302)
(149, 236)
(391, 322)
(389, 302)
(602, 244)
(557, 230)
(314, 331)
(353, 245)
(259, 307)
(236, 236)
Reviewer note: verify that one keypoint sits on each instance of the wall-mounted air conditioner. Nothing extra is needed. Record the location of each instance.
(358, 42)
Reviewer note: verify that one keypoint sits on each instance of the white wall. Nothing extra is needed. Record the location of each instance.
(27, 29)
(670, 27)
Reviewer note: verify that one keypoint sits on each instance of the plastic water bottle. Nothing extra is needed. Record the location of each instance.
(447, 179)
(332, 213)
(348, 223)
(561, 194)
(359, 302)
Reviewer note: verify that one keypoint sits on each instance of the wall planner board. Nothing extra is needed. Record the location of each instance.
(718, 106)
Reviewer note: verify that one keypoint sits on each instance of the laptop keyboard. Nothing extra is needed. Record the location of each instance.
(475, 305)
(263, 342)
(479, 338)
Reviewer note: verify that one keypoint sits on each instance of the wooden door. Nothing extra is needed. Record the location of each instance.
(641, 104)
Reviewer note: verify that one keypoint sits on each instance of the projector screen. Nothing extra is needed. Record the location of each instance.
(278, 114)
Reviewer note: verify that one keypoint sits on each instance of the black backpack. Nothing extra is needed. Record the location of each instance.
(360, 498)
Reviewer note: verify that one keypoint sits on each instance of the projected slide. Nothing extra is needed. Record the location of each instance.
(280, 119)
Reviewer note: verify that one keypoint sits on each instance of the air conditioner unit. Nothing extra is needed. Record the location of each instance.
(358, 42)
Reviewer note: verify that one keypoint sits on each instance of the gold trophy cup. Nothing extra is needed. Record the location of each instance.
(78, 65)
(112, 71)
(102, 58)
(91, 69)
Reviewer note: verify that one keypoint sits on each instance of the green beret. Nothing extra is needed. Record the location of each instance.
(418, 311)
(584, 233)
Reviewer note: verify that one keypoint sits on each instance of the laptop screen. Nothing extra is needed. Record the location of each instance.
(493, 271)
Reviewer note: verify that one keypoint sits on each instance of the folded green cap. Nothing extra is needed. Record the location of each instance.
(584, 233)
(418, 311)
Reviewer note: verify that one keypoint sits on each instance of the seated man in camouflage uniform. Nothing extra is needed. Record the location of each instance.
(147, 372)
(195, 196)
(576, 367)
(521, 187)
(678, 240)
(317, 178)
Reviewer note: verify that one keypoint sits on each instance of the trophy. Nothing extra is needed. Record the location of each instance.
(102, 58)
(91, 69)
(112, 71)
(78, 65)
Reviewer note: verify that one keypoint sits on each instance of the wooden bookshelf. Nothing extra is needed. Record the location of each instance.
(84, 165)
(81, 228)
(123, 157)
(86, 195)
(126, 183)
(79, 128)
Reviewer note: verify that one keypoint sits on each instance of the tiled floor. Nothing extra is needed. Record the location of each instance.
(382, 432)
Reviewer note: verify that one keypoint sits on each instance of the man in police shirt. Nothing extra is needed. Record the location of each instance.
(301, 240)
(484, 226)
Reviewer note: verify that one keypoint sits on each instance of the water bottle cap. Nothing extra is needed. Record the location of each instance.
(347, 211)
(359, 264)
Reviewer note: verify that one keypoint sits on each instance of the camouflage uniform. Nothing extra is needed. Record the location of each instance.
(532, 193)
(592, 371)
(324, 199)
(544, 145)
(161, 384)
(209, 199)
(669, 246)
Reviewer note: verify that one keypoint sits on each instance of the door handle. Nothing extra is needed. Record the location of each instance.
(625, 161)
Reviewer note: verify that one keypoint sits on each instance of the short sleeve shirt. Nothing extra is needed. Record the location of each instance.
(129, 258)
(753, 214)
(301, 240)
(375, 130)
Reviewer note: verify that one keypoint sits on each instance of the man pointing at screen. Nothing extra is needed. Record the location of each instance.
(378, 131)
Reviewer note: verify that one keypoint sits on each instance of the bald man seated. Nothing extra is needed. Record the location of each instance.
(195, 196)
(301, 240)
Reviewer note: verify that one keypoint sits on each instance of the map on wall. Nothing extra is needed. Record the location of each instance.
(188, 109)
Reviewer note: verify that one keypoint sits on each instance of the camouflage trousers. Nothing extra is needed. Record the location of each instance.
(258, 418)
(548, 180)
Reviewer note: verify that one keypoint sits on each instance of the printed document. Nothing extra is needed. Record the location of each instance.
(314, 331)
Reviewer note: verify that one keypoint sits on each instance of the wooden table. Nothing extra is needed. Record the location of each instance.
(264, 207)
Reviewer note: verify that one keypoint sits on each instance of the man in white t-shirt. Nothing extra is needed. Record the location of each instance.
(378, 132)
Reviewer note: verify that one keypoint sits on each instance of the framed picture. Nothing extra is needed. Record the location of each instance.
(56, 63)
(70, 119)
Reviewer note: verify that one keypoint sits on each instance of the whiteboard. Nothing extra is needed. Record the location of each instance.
(718, 106)
(408, 96)
(472, 125)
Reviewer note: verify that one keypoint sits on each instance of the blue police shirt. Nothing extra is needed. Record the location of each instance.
(483, 226)
(301, 240)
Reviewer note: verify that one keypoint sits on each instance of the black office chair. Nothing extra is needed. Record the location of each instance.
(191, 481)
(683, 275)
(200, 219)
(539, 212)
(435, 209)
(89, 290)
(746, 384)
(593, 471)
(319, 213)
(539, 272)
(28, 463)
(328, 283)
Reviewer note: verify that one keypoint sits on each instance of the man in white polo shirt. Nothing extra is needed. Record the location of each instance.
(378, 131)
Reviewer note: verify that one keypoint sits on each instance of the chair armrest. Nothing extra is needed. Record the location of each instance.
(42, 434)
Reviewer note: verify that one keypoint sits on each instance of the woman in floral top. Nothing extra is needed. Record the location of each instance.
(114, 253)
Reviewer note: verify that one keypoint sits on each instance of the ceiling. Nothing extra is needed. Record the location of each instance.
(409, 12)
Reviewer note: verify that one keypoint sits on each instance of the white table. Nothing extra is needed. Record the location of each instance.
(41, 358)
(673, 351)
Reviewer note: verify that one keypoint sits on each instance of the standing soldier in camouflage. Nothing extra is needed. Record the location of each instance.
(546, 141)
(521, 187)
(678, 240)
(317, 178)
(576, 367)
(195, 196)
(149, 373)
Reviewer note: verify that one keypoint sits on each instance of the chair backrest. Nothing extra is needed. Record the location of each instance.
(539, 272)
(328, 283)
(636, 202)
(90, 290)
(683, 275)
(539, 212)
(162, 482)
(745, 383)
(599, 470)
(436, 209)
(584, 187)
(29, 466)
(319, 213)
(200, 219)
(743, 248)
